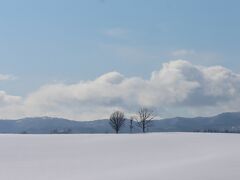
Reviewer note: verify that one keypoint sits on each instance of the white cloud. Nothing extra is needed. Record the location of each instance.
(6, 100)
(178, 88)
(116, 32)
(4, 77)
(205, 57)
(138, 55)
(182, 52)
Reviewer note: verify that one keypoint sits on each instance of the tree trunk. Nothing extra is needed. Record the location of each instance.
(143, 126)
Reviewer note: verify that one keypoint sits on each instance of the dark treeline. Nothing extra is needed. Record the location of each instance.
(141, 122)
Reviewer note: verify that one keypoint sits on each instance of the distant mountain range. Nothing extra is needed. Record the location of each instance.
(226, 122)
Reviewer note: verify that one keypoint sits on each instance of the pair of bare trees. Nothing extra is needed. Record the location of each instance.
(143, 120)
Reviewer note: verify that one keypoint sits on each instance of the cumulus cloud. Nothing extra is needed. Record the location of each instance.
(178, 88)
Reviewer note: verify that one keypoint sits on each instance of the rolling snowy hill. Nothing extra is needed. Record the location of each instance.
(167, 156)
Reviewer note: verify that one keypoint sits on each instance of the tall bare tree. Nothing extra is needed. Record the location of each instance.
(144, 118)
(117, 120)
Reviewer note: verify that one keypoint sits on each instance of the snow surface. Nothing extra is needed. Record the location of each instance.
(162, 156)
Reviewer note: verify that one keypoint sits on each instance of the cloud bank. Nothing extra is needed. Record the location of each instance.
(178, 88)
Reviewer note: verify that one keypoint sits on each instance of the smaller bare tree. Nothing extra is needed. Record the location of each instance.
(144, 118)
(131, 124)
(117, 120)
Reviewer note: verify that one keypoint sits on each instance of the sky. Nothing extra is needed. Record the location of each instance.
(83, 59)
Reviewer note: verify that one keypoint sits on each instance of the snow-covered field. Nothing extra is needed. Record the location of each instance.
(162, 156)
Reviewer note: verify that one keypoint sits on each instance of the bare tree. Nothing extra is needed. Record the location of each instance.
(144, 118)
(117, 120)
(131, 124)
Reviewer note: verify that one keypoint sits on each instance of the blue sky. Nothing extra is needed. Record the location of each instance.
(46, 41)
(58, 41)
